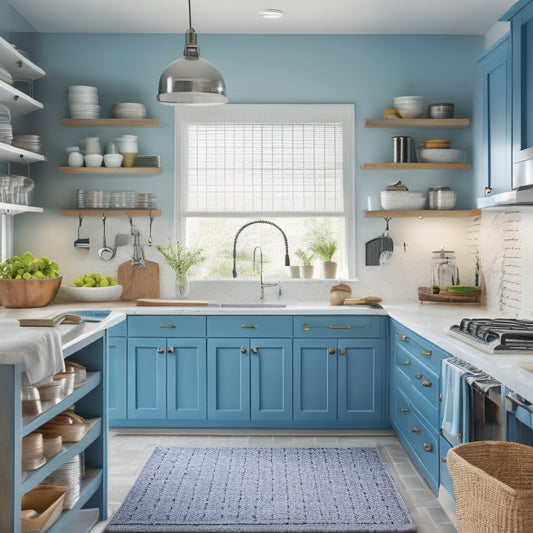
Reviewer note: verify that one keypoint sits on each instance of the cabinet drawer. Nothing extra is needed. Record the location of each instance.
(402, 360)
(249, 326)
(425, 445)
(166, 326)
(417, 346)
(425, 392)
(400, 411)
(445, 478)
(339, 326)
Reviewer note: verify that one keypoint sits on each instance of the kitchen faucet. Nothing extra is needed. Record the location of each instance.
(262, 284)
(287, 260)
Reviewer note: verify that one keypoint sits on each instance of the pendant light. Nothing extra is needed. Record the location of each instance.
(191, 80)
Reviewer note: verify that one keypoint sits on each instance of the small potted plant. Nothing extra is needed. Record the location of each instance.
(181, 259)
(323, 246)
(306, 268)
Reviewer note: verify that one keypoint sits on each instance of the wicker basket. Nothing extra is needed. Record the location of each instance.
(493, 486)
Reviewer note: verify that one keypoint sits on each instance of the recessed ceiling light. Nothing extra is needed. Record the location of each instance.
(271, 13)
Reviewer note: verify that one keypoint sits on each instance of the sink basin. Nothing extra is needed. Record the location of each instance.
(92, 316)
(254, 305)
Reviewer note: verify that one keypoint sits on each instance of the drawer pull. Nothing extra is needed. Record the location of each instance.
(342, 351)
(248, 326)
(402, 337)
(418, 375)
(160, 350)
(426, 383)
(428, 447)
(343, 326)
(170, 326)
(404, 410)
(243, 349)
(405, 363)
(254, 350)
(331, 351)
(170, 349)
(416, 430)
(443, 460)
(427, 353)
(306, 327)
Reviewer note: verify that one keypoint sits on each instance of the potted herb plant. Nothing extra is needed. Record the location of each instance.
(324, 246)
(181, 259)
(306, 268)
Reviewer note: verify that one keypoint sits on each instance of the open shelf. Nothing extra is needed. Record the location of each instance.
(19, 103)
(418, 123)
(17, 209)
(423, 213)
(12, 154)
(110, 122)
(98, 212)
(19, 66)
(110, 170)
(414, 166)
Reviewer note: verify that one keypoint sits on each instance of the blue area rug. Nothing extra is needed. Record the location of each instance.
(275, 490)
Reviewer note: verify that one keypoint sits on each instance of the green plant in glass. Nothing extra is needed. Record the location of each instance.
(181, 259)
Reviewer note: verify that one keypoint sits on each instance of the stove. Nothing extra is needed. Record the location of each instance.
(496, 335)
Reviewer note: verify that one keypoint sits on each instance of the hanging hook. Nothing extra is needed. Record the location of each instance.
(386, 232)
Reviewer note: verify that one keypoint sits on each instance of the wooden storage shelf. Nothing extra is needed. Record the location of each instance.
(415, 166)
(110, 122)
(418, 123)
(99, 211)
(110, 170)
(423, 213)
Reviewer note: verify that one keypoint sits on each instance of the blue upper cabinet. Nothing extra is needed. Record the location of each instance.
(497, 118)
(521, 17)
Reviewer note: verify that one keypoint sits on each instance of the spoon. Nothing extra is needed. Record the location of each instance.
(105, 252)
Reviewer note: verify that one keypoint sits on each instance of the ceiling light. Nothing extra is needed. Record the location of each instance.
(271, 13)
(191, 80)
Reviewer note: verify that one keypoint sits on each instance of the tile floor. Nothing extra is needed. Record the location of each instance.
(128, 451)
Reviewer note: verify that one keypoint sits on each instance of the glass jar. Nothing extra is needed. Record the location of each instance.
(444, 271)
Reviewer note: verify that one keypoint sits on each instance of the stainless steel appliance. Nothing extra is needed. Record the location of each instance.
(496, 335)
(519, 414)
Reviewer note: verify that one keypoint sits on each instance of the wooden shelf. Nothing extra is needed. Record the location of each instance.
(98, 212)
(418, 123)
(414, 166)
(110, 122)
(109, 170)
(423, 213)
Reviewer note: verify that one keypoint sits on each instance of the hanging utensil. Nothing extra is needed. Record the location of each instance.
(105, 252)
(138, 254)
(121, 239)
(82, 245)
(378, 250)
(150, 231)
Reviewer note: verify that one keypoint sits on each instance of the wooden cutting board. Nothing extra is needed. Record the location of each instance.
(138, 282)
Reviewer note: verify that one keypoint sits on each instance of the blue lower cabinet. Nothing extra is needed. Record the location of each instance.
(117, 378)
(445, 478)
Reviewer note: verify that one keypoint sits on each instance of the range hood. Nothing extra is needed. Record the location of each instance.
(524, 195)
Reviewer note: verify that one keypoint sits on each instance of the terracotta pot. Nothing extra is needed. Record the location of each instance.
(306, 271)
(330, 269)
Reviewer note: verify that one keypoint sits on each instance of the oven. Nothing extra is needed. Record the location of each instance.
(519, 418)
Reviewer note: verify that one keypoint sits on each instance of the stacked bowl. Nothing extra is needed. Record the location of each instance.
(129, 110)
(409, 106)
(398, 200)
(83, 101)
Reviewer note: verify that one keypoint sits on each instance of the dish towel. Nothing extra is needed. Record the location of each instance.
(452, 408)
(39, 349)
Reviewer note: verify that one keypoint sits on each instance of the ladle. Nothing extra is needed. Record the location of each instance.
(82, 245)
(105, 252)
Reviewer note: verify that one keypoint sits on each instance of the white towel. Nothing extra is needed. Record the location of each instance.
(451, 412)
(39, 349)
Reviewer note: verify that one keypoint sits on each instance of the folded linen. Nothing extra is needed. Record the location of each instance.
(452, 396)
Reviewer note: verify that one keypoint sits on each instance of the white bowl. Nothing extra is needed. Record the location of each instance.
(92, 294)
(441, 155)
(94, 160)
(113, 160)
(402, 200)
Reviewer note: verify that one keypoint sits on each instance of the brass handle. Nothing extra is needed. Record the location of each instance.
(443, 460)
(342, 351)
(305, 327)
(427, 353)
(170, 349)
(418, 375)
(254, 350)
(428, 447)
(160, 350)
(248, 326)
(405, 363)
(344, 326)
(426, 383)
(402, 337)
(243, 349)
(167, 326)
(331, 351)
(416, 430)
(404, 410)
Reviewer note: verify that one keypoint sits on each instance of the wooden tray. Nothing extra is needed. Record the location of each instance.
(425, 295)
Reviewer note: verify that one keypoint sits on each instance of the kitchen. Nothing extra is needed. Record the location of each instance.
(367, 70)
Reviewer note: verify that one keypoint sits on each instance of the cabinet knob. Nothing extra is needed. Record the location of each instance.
(404, 409)
(488, 190)
(427, 353)
(426, 383)
(402, 337)
(443, 460)
(170, 349)
(416, 430)
(342, 351)
(405, 363)
(418, 375)
(254, 350)
(160, 350)
(428, 447)
(243, 349)
(331, 351)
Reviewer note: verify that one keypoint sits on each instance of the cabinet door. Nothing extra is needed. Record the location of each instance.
(117, 372)
(315, 379)
(147, 378)
(228, 379)
(186, 379)
(271, 379)
(362, 381)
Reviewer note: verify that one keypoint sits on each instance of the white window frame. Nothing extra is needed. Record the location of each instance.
(269, 113)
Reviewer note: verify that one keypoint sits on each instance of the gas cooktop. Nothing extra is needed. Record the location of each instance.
(496, 335)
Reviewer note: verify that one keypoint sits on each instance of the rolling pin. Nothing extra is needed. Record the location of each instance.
(366, 300)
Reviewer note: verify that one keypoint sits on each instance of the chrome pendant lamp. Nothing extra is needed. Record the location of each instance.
(191, 80)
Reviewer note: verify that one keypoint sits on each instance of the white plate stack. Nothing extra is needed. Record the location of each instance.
(6, 130)
(129, 110)
(28, 142)
(146, 200)
(147, 161)
(83, 101)
(69, 476)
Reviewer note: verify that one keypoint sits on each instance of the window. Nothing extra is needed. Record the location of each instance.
(289, 164)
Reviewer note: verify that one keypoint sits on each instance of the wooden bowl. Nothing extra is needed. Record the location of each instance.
(18, 293)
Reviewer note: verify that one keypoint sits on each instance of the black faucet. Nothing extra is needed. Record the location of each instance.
(287, 260)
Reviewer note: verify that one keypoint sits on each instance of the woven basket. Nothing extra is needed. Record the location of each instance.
(493, 486)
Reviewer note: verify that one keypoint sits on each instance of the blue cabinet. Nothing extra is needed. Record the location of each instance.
(497, 117)
(117, 365)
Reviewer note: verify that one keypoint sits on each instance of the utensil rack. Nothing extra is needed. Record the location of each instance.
(99, 212)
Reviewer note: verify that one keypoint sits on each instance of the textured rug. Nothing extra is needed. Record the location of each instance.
(275, 490)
